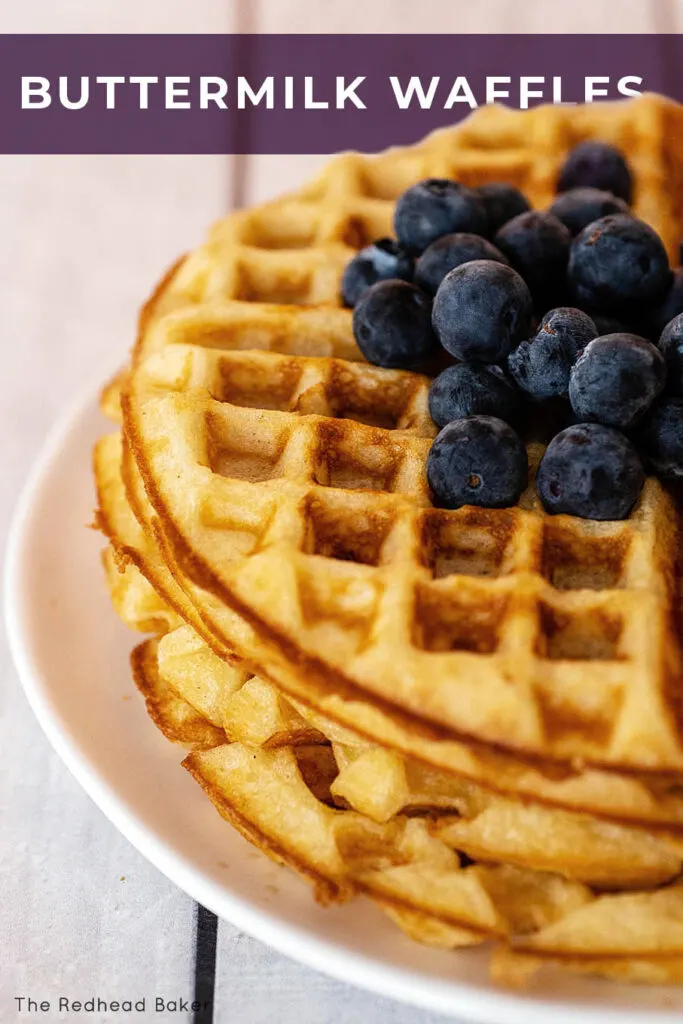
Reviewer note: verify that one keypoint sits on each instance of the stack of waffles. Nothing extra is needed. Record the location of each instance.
(471, 717)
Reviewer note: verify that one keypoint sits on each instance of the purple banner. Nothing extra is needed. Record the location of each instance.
(299, 94)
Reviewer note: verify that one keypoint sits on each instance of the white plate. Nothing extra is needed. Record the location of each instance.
(72, 655)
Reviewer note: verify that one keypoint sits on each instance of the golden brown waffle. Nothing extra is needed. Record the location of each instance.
(136, 601)
(409, 659)
(248, 709)
(186, 685)
(283, 260)
(634, 924)
(292, 251)
(261, 267)
(408, 867)
(409, 862)
(522, 899)
(347, 722)
(177, 719)
(280, 800)
(543, 635)
(342, 852)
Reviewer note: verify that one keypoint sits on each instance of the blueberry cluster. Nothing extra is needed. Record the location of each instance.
(569, 316)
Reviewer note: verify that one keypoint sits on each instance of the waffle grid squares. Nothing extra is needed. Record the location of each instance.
(239, 326)
(352, 517)
(293, 251)
(107, 459)
(332, 474)
(302, 492)
(317, 447)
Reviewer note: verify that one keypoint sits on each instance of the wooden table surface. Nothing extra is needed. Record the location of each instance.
(83, 238)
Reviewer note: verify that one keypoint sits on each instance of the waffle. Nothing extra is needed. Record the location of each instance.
(182, 679)
(156, 601)
(470, 717)
(179, 676)
(343, 853)
(270, 793)
(248, 709)
(280, 799)
(135, 600)
(546, 919)
(339, 193)
(177, 720)
(260, 266)
(292, 251)
(543, 635)
(439, 900)
(624, 798)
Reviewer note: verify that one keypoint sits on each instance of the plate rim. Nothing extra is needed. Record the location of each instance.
(472, 1003)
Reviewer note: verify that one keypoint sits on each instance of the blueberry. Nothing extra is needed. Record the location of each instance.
(392, 325)
(478, 460)
(437, 207)
(502, 203)
(571, 322)
(537, 245)
(670, 306)
(590, 471)
(481, 311)
(616, 380)
(449, 252)
(541, 367)
(661, 439)
(380, 261)
(581, 206)
(618, 262)
(465, 390)
(671, 346)
(596, 165)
